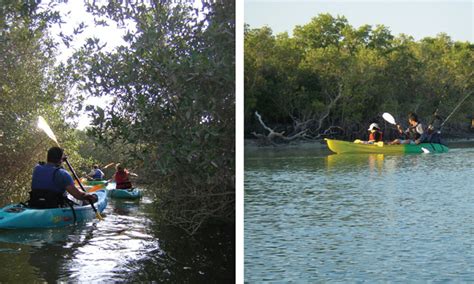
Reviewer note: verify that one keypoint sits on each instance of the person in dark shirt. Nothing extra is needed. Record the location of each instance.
(414, 134)
(50, 182)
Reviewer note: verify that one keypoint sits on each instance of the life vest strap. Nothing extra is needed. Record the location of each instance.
(43, 199)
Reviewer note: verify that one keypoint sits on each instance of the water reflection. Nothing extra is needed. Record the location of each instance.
(49, 259)
(36, 237)
(97, 250)
(346, 218)
(352, 162)
(128, 246)
(111, 246)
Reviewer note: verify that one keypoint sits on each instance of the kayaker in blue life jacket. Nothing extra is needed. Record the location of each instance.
(96, 173)
(414, 134)
(50, 183)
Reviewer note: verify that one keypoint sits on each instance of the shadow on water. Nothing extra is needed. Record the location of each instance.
(128, 246)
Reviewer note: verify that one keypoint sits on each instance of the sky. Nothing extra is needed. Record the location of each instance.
(109, 34)
(77, 14)
(418, 18)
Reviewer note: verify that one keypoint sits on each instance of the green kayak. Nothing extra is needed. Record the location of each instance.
(338, 146)
(95, 182)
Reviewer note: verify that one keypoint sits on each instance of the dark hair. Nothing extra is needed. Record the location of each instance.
(55, 155)
(95, 166)
(413, 116)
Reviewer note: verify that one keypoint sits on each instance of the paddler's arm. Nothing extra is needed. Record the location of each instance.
(74, 191)
(422, 133)
(400, 129)
(112, 179)
(422, 138)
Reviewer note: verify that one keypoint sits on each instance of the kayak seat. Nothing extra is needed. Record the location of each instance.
(45, 199)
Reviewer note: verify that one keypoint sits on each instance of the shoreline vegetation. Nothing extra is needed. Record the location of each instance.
(171, 116)
(330, 79)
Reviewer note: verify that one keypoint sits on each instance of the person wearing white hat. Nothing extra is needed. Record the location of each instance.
(375, 135)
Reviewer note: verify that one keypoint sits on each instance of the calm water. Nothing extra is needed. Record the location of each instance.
(128, 246)
(313, 216)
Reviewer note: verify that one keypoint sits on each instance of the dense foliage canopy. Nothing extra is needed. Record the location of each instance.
(330, 73)
(29, 86)
(172, 92)
(172, 111)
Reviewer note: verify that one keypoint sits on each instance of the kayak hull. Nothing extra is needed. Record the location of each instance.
(132, 193)
(94, 182)
(338, 146)
(17, 216)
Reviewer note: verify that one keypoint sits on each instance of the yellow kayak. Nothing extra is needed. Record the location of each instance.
(339, 146)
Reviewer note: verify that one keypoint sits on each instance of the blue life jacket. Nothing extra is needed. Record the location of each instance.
(48, 177)
(98, 174)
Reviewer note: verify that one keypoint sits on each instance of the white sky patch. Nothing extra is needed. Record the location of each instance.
(73, 14)
(85, 119)
(111, 34)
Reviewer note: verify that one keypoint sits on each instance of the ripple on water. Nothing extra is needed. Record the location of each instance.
(107, 250)
(127, 246)
(375, 218)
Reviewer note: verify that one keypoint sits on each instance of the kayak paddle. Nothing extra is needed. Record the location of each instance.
(96, 187)
(43, 125)
(108, 165)
(389, 118)
(97, 214)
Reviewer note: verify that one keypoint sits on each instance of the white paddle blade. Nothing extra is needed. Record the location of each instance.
(425, 151)
(45, 127)
(108, 165)
(389, 118)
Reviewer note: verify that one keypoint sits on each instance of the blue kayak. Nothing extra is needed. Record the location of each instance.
(18, 216)
(131, 193)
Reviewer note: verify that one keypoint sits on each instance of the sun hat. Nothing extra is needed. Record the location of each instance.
(373, 125)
